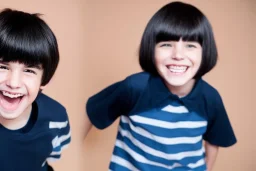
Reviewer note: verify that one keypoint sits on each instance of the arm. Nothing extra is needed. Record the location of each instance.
(103, 108)
(211, 155)
(219, 131)
(88, 125)
(62, 138)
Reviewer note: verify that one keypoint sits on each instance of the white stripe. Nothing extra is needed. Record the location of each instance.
(55, 143)
(161, 140)
(149, 150)
(58, 125)
(43, 163)
(197, 164)
(175, 109)
(123, 162)
(168, 125)
(58, 140)
(59, 152)
(142, 159)
(52, 159)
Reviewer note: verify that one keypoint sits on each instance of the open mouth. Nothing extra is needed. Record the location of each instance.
(10, 101)
(177, 69)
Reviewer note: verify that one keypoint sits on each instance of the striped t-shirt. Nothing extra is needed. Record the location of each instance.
(159, 131)
(42, 140)
(165, 138)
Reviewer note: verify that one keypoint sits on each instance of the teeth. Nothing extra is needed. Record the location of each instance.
(5, 93)
(177, 69)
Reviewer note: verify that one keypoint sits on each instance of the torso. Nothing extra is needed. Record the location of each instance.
(28, 148)
(164, 138)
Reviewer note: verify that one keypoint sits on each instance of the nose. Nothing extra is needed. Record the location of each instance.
(14, 80)
(178, 52)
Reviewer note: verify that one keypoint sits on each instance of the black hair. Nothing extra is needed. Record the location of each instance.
(27, 39)
(174, 21)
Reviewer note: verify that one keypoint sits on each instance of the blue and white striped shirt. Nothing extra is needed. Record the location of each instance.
(159, 131)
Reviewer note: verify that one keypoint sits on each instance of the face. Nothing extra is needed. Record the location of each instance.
(19, 86)
(177, 62)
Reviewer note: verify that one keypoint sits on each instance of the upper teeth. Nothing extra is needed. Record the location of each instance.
(175, 68)
(5, 93)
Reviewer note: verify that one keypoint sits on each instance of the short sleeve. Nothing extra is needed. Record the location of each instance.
(106, 106)
(219, 130)
(63, 137)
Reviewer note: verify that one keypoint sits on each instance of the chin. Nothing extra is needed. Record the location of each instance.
(176, 82)
(9, 116)
(12, 115)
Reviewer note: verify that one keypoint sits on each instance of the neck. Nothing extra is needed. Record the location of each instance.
(17, 123)
(182, 91)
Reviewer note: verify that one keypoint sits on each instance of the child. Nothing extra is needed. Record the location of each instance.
(34, 128)
(168, 110)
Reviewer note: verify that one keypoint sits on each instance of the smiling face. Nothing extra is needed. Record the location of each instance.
(177, 62)
(19, 86)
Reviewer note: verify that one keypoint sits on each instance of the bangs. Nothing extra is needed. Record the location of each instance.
(179, 20)
(29, 49)
(173, 30)
(22, 40)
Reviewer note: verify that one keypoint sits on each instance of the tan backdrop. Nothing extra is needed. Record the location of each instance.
(67, 20)
(114, 29)
(98, 41)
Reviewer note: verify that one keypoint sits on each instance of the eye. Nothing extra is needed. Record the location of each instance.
(190, 46)
(3, 67)
(166, 45)
(30, 71)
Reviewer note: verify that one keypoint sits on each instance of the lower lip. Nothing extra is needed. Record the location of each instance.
(10, 108)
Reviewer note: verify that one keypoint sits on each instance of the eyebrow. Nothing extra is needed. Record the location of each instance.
(34, 66)
(2, 62)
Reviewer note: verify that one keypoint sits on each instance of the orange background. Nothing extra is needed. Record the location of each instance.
(98, 42)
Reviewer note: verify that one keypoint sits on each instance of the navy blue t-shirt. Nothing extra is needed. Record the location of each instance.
(42, 139)
(159, 131)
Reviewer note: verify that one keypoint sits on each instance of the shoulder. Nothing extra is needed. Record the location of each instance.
(138, 80)
(210, 93)
(48, 102)
(50, 107)
(213, 101)
(141, 76)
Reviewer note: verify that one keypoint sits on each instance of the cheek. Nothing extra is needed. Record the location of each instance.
(3, 76)
(161, 56)
(32, 83)
(196, 59)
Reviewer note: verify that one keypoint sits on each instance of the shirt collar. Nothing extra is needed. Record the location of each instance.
(159, 92)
